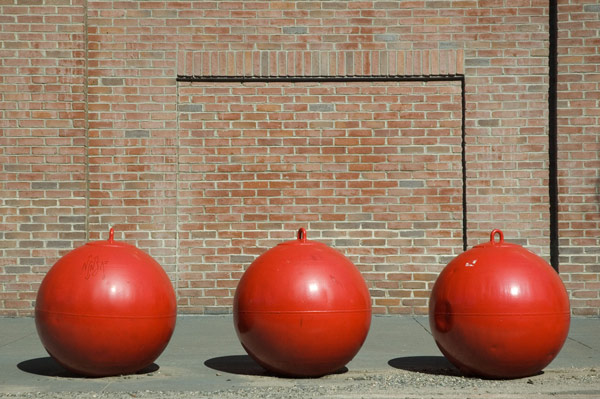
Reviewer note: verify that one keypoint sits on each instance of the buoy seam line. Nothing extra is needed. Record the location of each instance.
(302, 311)
(518, 314)
(374, 78)
(51, 313)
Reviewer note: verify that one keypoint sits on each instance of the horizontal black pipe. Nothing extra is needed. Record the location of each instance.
(294, 79)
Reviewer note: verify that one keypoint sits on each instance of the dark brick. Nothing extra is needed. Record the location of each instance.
(591, 8)
(411, 183)
(58, 244)
(113, 81)
(136, 134)
(32, 227)
(32, 261)
(190, 108)
(474, 62)
(44, 185)
(295, 30)
(321, 107)
(488, 122)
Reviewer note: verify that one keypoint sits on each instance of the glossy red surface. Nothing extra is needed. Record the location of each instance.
(499, 311)
(302, 309)
(105, 308)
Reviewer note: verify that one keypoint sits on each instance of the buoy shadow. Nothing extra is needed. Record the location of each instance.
(48, 367)
(237, 364)
(245, 365)
(439, 365)
(436, 365)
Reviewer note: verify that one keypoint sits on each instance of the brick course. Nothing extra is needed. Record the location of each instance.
(204, 176)
(320, 63)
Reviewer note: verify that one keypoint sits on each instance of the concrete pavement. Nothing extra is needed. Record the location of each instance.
(205, 355)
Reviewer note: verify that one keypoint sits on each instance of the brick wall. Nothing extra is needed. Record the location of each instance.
(42, 144)
(507, 144)
(373, 169)
(579, 153)
(204, 176)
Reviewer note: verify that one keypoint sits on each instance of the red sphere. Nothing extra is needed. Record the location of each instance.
(499, 311)
(105, 308)
(302, 309)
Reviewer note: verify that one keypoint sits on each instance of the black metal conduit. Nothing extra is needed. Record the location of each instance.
(299, 79)
(553, 132)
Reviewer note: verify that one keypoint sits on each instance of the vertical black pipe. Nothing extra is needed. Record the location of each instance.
(553, 131)
(463, 130)
(86, 110)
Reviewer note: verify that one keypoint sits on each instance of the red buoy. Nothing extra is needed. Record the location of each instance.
(105, 308)
(499, 311)
(302, 309)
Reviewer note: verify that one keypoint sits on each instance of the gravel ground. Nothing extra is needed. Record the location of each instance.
(444, 384)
